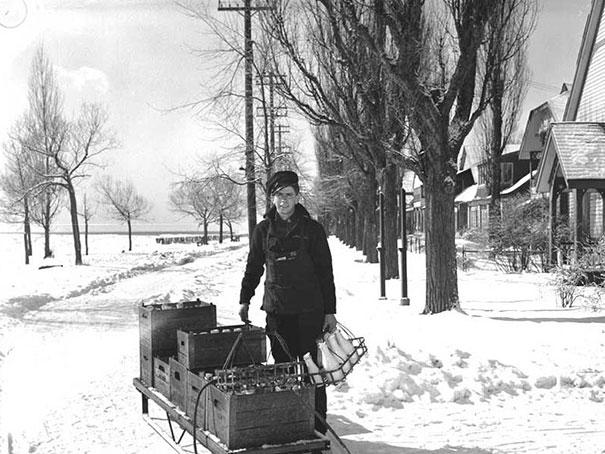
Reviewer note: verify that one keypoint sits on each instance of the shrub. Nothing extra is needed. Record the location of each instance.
(520, 234)
(567, 281)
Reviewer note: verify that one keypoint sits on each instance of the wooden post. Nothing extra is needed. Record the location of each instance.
(380, 246)
(403, 250)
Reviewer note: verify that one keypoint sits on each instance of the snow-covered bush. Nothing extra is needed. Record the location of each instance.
(519, 237)
(566, 280)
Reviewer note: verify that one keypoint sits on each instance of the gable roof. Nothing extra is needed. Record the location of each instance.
(591, 48)
(538, 119)
(577, 149)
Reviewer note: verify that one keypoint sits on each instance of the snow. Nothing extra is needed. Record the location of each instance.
(515, 374)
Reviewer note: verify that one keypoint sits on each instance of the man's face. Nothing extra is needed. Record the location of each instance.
(285, 200)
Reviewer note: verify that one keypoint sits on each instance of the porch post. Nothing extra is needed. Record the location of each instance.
(553, 223)
(602, 192)
(579, 230)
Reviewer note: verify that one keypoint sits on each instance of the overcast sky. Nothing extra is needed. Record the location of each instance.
(135, 58)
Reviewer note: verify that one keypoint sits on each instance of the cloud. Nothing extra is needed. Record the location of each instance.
(87, 82)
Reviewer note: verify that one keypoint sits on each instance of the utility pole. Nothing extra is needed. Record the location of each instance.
(281, 130)
(247, 7)
(269, 112)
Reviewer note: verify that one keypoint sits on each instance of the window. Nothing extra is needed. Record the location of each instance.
(474, 221)
(484, 221)
(594, 210)
(506, 174)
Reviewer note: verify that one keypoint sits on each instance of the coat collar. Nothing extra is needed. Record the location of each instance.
(299, 213)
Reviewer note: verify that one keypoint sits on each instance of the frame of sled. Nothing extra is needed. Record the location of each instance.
(205, 438)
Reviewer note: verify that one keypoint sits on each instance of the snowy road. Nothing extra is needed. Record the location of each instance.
(442, 384)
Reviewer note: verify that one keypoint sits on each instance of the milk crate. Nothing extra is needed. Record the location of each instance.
(178, 383)
(195, 383)
(161, 375)
(158, 324)
(245, 420)
(209, 349)
(146, 363)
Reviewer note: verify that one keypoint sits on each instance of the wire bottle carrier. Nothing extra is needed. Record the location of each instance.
(346, 363)
(291, 375)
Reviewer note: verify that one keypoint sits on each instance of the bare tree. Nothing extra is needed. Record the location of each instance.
(64, 151)
(87, 212)
(43, 136)
(195, 198)
(228, 202)
(123, 201)
(430, 52)
(335, 81)
(15, 183)
(505, 53)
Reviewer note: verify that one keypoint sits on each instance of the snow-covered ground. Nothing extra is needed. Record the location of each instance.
(518, 374)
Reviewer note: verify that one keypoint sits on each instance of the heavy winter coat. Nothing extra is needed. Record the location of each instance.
(298, 261)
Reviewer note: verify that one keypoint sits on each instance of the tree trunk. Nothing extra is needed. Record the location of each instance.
(220, 228)
(205, 232)
(359, 223)
(27, 231)
(342, 228)
(496, 153)
(46, 221)
(230, 226)
(25, 248)
(129, 235)
(442, 278)
(352, 223)
(391, 192)
(75, 226)
(370, 228)
(86, 234)
(370, 238)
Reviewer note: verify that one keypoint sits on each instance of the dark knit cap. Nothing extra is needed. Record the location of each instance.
(282, 179)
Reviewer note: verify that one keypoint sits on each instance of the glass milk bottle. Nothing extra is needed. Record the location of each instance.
(330, 363)
(313, 370)
(337, 350)
(347, 346)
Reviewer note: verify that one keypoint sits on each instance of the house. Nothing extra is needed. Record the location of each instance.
(473, 199)
(536, 129)
(572, 168)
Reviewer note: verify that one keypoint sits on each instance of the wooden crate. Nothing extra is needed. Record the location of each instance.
(178, 383)
(158, 324)
(208, 349)
(161, 375)
(249, 420)
(146, 363)
(195, 382)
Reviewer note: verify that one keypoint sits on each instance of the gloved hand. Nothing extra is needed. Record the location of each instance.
(330, 323)
(243, 312)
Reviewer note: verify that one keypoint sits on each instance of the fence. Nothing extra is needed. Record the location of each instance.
(198, 239)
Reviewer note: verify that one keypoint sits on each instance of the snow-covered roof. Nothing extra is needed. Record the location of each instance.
(518, 185)
(579, 150)
(539, 118)
(467, 195)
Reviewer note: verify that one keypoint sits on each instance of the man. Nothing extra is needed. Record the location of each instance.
(299, 296)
